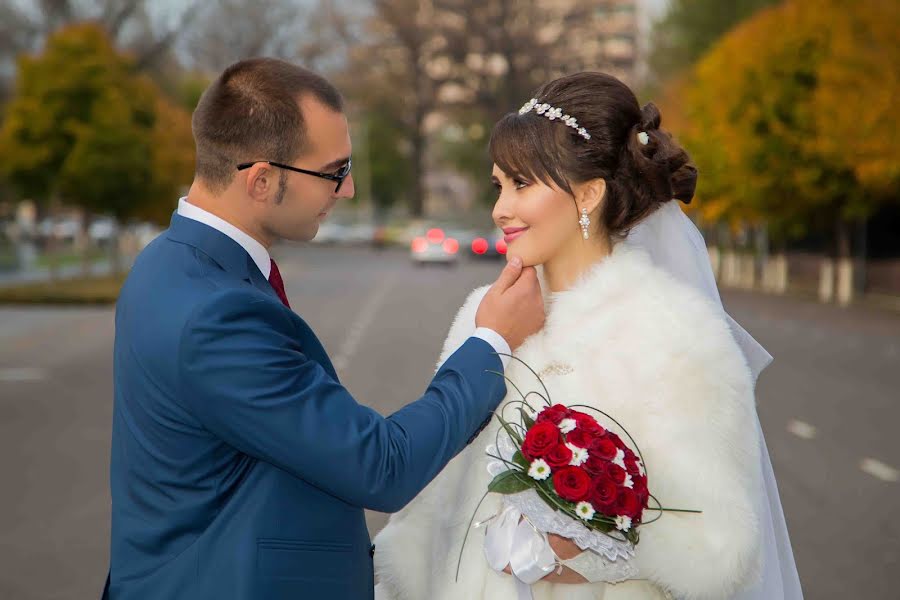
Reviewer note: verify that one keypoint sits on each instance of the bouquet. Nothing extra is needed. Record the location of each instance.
(563, 472)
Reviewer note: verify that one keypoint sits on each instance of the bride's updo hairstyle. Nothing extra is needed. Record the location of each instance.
(641, 164)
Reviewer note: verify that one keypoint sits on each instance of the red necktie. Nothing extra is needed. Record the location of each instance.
(277, 283)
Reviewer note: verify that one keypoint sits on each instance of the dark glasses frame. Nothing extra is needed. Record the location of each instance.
(338, 176)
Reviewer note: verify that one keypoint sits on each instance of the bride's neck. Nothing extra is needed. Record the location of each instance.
(573, 260)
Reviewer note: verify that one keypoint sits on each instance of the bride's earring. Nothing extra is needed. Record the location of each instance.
(585, 222)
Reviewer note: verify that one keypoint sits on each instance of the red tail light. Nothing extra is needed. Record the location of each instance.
(501, 246)
(419, 244)
(480, 245)
(435, 236)
(451, 246)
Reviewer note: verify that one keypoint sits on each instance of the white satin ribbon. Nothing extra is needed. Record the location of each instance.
(511, 540)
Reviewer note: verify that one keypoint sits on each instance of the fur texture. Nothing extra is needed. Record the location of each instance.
(659, 358)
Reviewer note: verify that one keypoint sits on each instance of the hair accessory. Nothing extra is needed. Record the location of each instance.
(554, 113)
(643, 138)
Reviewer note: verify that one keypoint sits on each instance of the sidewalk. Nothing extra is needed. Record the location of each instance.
(97, 269)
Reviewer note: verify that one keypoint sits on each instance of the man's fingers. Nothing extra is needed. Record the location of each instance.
(509, 275)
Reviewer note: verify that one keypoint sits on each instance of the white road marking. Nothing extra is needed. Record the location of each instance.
(878, 469)
(363, 321)
(801, 429)
(16, 374)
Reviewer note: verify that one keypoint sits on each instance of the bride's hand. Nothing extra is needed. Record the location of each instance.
(564, 549)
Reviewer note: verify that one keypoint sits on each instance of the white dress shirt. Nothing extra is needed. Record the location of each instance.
(261, 257)
(257, 251)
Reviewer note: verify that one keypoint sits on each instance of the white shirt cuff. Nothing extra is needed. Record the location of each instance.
(496, 340)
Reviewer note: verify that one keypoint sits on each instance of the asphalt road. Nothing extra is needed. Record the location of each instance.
(830, 407)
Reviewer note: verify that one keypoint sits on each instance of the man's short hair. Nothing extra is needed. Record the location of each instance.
(251, 112)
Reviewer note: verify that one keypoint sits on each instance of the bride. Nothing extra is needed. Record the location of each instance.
(586, 182)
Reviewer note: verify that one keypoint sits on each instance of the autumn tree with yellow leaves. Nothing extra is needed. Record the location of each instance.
(791, 119)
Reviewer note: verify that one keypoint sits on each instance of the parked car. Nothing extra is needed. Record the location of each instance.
(434, 247)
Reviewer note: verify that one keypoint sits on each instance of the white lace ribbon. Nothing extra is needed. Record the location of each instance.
(512, 540)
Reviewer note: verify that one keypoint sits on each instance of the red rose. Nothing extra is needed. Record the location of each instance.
(595, 465)
(588, 424)
(580, 438)
(640, 484)
(631, 465)
(603, 495)
(616, 440)
(559, 456)
(628, 504)
(604, 447)
(553, 414)
(540, 439)
(616, 473)
(572, 484)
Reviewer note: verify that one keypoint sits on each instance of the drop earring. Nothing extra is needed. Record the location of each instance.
(585, 222)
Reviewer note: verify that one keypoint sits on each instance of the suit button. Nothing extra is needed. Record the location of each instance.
(372, 551)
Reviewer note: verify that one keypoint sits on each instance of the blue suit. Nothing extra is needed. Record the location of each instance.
(240, 466)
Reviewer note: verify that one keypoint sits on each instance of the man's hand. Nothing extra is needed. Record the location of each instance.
(513, 307)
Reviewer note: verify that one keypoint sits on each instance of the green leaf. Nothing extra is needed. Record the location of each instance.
(526, 420)
(511, 431)
(520, 460)
(510, 482)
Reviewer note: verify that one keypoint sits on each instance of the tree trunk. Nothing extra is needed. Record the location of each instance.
(417, 197)
(84, 244)
(51, 248)
(844, 263)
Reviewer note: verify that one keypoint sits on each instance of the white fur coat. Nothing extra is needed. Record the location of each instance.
(659, 358)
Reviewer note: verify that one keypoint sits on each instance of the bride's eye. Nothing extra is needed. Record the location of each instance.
(520, 184)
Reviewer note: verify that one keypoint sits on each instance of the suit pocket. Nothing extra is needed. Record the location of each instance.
(289, 559)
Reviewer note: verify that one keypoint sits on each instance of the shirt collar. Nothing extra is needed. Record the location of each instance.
(257, 251)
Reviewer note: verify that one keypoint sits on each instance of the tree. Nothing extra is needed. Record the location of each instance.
(791, 117)
(689, 28)
(85, 129)
(435, 64)
(148, 34)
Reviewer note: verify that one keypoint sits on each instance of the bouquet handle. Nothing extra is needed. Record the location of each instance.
(512, 540)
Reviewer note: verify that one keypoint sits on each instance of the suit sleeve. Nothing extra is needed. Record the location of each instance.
(244, 374)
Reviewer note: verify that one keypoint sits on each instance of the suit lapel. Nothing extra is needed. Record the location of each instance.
(232, 258)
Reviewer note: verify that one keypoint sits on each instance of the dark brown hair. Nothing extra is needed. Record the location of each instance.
(638, 177)
(251, 112)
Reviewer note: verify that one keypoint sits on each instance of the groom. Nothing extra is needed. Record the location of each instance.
(240, 466)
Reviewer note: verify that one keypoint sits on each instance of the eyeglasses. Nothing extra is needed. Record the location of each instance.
(337, 176)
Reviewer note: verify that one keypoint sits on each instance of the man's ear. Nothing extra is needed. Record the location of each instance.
(590, 195)
(262, 182)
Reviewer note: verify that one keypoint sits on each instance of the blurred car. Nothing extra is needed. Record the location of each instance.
(434, 247)
(491, 245)
(330, 233)
(359, 233)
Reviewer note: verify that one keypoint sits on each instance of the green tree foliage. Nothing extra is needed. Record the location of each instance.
(84, 128)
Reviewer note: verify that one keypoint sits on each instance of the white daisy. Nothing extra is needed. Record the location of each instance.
(623, 523)
(539, 470)
(567, 425)
(579, 455)
(584, 510)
